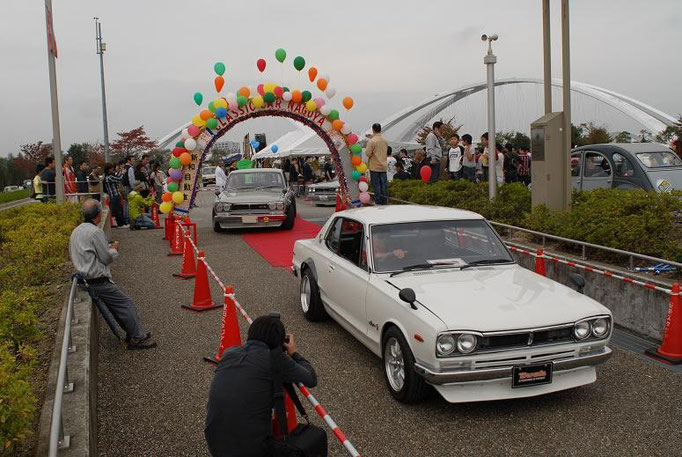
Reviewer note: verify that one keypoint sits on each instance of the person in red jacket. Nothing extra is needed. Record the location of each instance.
(70, 180)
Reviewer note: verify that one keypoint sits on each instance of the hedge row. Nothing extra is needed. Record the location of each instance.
(33, 251)
(633, 220)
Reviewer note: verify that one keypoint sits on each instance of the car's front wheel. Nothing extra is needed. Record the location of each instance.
(311, 303)
(288, 223)
(403, 382)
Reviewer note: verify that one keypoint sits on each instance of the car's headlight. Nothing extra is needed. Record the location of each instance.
(466, 343)
(311, 190)
(276, 206)
(600, 327)
(445, 345)
(222, 207)
(582, 330)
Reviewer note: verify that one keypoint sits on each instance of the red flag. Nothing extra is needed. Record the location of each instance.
(51, 40)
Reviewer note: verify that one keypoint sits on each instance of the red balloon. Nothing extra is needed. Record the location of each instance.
(177, 152)
(279, 92)
(261, 65)
(362, 179)
(260, 90)
(193, 130)
(425, 173)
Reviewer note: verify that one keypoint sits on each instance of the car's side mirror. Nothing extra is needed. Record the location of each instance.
(408, 296)
(578, 281)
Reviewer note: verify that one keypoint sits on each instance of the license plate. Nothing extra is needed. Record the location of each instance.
(532, 375)
(322, 197)
(249, 219)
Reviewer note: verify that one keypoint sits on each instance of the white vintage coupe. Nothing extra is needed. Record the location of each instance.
(436, 294)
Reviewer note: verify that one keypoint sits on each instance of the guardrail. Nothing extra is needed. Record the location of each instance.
(58, 440)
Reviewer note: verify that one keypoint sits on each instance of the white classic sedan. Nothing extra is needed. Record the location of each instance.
(436, 294)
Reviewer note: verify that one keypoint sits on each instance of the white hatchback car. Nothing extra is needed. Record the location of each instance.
(436, 294)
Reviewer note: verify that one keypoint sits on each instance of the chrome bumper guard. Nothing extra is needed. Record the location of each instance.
(484, 374)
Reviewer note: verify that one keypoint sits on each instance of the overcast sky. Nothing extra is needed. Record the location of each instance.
(386, 54)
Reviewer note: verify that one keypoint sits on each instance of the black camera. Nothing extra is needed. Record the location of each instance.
(278, 316)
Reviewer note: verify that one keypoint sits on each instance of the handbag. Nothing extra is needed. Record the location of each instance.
(306, 440)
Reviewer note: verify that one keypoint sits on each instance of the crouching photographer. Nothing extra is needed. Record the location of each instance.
(248, 385)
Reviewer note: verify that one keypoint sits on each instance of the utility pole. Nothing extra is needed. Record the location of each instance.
(547, 51)
(490, 60)
(566, 79)
(52, 70)
(101, 47)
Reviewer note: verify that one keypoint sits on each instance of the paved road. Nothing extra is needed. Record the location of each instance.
(152, 403)
(16, 203)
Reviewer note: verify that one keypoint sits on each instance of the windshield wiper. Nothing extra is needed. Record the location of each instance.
(427, 266)
(485, 262)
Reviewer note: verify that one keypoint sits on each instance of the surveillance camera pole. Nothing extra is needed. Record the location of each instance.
(489, 60)
(100, 50)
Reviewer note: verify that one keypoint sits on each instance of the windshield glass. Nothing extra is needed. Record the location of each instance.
(208, 171)
(659, 159)
(255, 179)
(458, 242)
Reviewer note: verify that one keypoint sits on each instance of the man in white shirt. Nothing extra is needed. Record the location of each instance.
(434, 153)
(390, 164)
(220, 176)
(455, 158)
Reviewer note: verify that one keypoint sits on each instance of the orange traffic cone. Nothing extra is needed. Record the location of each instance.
(290, 411)
(540, 263)
(670, 349)
(178, 241)
(155, 215)
(202, 300)
(168, 225)
(189, 270)
(229, 335)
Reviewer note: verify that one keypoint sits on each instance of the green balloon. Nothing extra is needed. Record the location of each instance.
(280, 55)
(306, 96)
(355, 175)
(212, 123)
(219, 68)
(299, 63)
(285, 89)
(269, 97)
(333, 115)
(175, 163)
(180, 144)
(211, 107)
(356, 149)
(198, 98)
(241, 100)
(172, 186)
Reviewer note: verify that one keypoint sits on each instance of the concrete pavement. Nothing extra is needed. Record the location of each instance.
(153, 402)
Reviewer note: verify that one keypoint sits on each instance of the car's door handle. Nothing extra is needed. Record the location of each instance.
(331, 267)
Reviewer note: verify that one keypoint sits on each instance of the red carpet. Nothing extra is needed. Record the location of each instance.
(277, 246)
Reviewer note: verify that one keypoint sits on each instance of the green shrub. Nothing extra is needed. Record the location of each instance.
(6, 197)
(17, 403)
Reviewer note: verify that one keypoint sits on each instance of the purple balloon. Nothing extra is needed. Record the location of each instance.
(175, 175)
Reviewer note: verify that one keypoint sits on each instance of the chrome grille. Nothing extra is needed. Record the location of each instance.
(249, 206)
(526, 338)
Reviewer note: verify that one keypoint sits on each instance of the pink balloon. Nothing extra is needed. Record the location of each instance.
(364, 198)
(193, 130)
(233, 105)
(352, 138)
(319, 101)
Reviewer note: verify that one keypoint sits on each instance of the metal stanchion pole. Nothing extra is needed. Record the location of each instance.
(489, 60)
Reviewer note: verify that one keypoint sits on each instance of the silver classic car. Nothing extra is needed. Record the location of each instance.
(323, 193)
(257, 197)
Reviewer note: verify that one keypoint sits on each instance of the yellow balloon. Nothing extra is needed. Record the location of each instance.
(178, 197)
(257, 101)
(220, 103)
(362, 167)
(269, 87)
(166, 207)
(310, 105)
(198, 121)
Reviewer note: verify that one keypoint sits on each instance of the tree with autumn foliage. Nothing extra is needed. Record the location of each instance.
(134, 142)
(447, 130)
(35, 152)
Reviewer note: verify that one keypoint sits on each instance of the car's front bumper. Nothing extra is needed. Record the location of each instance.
(322, 199)
(249, 221)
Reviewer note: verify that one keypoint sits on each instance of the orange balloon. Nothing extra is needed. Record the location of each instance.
(322, 84)
(206, 114)
(296, 96)
(357, 160)
(348, 102)
(185, 158)
(167, 196)
(312, 73)
(337, 125)
(219, 83)
(244, 92)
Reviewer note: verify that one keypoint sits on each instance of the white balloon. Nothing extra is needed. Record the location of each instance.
(363, 186)
(190, 144)
(346, 129)
(330, 92)
(286, 96)
(231, 97)
(233, 105)
(185, 133)
(325, 110)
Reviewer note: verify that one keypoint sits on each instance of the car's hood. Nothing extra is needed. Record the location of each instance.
(251, 196)
(665, 179)
(325, 185)
(497, 298)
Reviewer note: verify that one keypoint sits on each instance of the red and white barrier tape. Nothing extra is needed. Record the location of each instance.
(306, 393)
(188, 237)
(607, 273)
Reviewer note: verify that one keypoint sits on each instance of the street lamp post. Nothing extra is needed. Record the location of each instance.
(489, 60)
(101, 47)
(54, 102)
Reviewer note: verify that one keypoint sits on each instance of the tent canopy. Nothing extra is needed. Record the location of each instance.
(296, 143)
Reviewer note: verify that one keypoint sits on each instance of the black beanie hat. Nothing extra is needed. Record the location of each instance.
(268, 330)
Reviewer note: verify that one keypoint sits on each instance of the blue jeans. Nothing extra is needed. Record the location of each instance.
(144, 221)
(380, 184)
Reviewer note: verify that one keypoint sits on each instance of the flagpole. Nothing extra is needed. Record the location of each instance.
(56, 136)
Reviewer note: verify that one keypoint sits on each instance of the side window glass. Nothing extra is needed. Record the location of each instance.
(350, 242)
(332, 239)
(623, 166)
(596, 166)
(576, 163)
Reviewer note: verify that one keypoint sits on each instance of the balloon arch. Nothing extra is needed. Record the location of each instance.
(269, 99)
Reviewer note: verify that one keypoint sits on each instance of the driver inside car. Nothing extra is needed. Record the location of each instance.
(386, 255)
